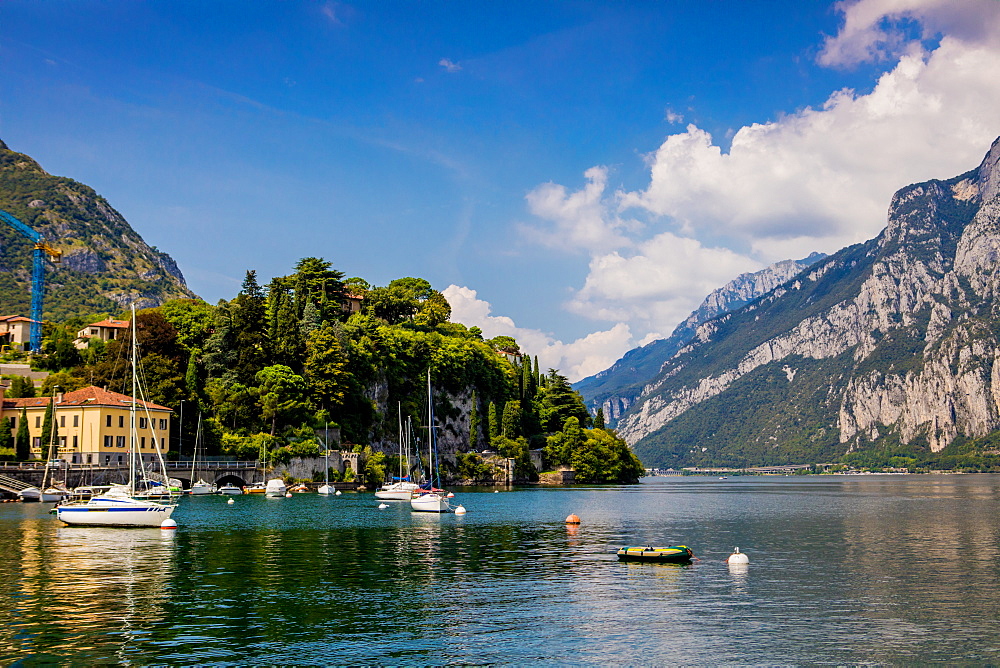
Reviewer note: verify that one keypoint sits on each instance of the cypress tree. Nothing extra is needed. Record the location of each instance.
(6, 434)
(494, 427)
(511, 418)
(599, 418)
(50, 432)
(22, 441)
(473, 423)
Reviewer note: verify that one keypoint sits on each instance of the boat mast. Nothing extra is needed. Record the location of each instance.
(52, 438)
(131, 412)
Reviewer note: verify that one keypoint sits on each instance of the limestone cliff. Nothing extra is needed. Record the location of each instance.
(894, 340)
(615, 389)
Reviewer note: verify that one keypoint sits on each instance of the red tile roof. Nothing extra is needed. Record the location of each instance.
(87, 396)
(112, 324)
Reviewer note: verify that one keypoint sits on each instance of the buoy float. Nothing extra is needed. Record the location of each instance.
(496, 491)
(168, 524)
(338, 493)
(737, 557)
(572, 519)
(460, 510)
(230, 501)
(451, 495)
(383, 506)
(288, 495)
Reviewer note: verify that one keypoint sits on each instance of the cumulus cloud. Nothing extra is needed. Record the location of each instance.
(449, 66)
(579, 220)
(576, 360)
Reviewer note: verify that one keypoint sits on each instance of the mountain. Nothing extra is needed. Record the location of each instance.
(105, 266)
(617, 387)
(889, 346)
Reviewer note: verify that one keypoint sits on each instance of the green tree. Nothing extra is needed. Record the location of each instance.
(558, 402)
(326, 368)
(599, 418)
(249, 328)
(66, 382)
(561, 445)
(288, 347)
(22, 440)
(20, 387)
(6, 434)
(511, 425)
(433, 311)
(473, 422)
(192, 319)
(374, 466)
(50, 432)
(281, 394)
(492, 422)
(504, 344)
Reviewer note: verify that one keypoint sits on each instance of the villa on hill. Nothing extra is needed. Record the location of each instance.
(106, 330)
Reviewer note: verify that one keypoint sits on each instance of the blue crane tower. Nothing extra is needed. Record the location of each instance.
(37, 275)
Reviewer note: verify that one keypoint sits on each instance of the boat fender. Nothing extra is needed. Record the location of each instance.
(738, 557)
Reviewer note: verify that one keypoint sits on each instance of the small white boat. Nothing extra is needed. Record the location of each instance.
(429, 502)
(397, 491)
(275, 487)
(50, 495)
(230, 488)
(115, 508)
(326, 490)
(202, 487)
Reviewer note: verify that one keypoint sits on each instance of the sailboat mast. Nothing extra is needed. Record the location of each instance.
(131, 411)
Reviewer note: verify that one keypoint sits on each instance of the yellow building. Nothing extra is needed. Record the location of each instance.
(92, 426)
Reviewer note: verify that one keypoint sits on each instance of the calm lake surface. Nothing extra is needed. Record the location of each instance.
(844, 569)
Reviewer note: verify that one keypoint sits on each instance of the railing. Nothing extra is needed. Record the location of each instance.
(201, 466)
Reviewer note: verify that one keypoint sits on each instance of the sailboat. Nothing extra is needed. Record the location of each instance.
(201, 487)
(402, 488)
(429, 499)
(47, 493)
(326, 488)
(119, 506)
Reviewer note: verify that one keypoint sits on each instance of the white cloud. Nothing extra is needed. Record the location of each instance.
(576, 360)
(580, 220)
(817, 179)
(671, 116)
(449, 66)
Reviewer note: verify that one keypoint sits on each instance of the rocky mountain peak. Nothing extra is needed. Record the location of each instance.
(989, 173)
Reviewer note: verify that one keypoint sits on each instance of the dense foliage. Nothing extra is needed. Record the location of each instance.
(269, 369)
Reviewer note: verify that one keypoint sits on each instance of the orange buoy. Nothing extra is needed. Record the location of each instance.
(572, 519)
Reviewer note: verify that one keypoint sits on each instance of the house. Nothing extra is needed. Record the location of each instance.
(92, 426)
(106, 330)
(352, 303)
(15, 329)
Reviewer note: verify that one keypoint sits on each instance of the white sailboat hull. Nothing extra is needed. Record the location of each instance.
(35, 494)
(327, 490)
(430, 503)
(230, 489)
(397, 491)
(202, 487)
(114, 511)
(275, 487)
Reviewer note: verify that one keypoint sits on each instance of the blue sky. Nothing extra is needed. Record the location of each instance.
(578, 175)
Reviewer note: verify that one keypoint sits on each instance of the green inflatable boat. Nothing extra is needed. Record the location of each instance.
(675, 554)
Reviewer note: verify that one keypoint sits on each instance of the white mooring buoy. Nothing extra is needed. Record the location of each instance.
(168, 524)
(231, 501)
(338, 493)
(460, 510)
(737, 557)
(288, 495)
(383, 506)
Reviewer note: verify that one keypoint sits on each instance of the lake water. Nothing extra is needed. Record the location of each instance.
(844, 570)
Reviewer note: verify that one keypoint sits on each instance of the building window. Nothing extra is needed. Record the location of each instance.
(109, 441)
(121, 421)
(74, 442)
(109, 420)
(142, 423)
(119, 459)
(163, 423)
(38, 421)
(142, 442)
(62, 420)
(62, 441)
(89, 460)
(36, 442)
(13, 424)
(76, 420)
(120, 441)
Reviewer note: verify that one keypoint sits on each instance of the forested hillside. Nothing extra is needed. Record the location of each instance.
(105, 263)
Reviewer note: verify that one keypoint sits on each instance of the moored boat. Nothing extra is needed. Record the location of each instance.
(430, 499)
(230, 488)
(673, 554)
(275, 487)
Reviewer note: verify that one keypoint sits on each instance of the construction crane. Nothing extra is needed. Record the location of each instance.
(37, 275)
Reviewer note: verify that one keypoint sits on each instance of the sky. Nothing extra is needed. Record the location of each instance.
(578, 175)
